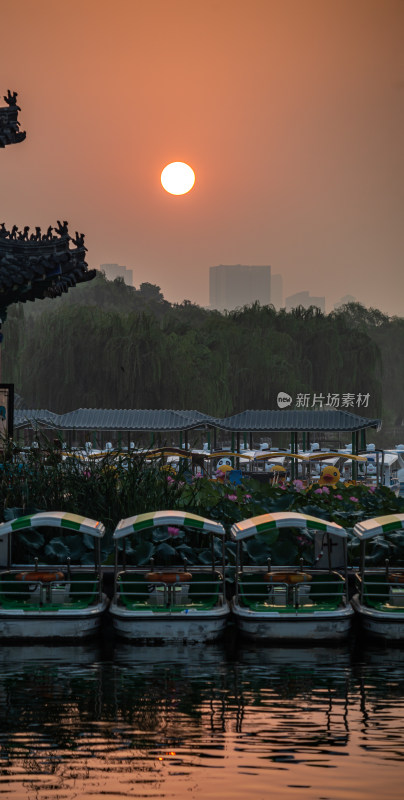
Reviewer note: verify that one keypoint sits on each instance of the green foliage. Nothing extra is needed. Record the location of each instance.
(58, 353)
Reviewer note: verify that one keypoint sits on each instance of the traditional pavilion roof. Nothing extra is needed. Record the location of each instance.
(35, 265)
(25, 417)
(131, 419)
(98, 419)
(299, 420)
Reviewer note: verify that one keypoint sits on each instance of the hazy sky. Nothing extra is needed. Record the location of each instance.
(291, 113)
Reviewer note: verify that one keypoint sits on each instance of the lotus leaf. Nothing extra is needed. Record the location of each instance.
(205, 557)
(284, 551)
(187, 552)
(217, 547)
(268, 538)
(165, 551)
(86, 559)
(88, 541)
(13, 513)
(75, 545)
(161, 535)
(143, 553)
(31, 539)
(257, 551)
(57, 551)
(283, 502)
(230, 549)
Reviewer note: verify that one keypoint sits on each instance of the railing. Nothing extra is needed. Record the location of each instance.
(321, 590)
(135, 590)
(76, 591)
(381, 590)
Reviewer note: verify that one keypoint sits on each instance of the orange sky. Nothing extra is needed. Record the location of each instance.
(291, 113)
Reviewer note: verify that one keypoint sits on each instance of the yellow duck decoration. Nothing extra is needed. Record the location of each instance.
(330, 477)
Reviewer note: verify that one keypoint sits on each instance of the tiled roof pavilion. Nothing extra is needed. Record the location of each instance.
(149, 420)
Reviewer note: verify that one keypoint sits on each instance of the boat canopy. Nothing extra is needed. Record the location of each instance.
(377, 525)
(227, 454)
(346, 456)
(167, 451)
(154, 519)
(283, 519)
(54, 519)
(267, 455)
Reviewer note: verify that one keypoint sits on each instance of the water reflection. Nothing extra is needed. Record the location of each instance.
(175, 720)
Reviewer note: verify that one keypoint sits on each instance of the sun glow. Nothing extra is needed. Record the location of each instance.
(177, 178)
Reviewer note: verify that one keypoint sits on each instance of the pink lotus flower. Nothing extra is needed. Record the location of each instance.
(318, 491)
(172, 530)
(372, 489)
(354, 499)
(197, 476)
(232, 497)
(326, 490)
(338, 496)
(170, 479)
(247, 497)
(299, 485)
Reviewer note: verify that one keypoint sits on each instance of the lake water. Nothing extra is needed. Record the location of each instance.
(112, 720)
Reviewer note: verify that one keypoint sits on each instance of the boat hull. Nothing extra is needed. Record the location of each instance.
(386, 625)
(299, 627)
(188, 625)
(62, 624)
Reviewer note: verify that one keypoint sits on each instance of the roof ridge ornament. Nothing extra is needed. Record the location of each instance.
(9, 123)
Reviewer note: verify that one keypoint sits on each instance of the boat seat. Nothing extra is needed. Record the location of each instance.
(376, 591)
(12, 589)
(83, 587)
(133, 590)
(326, 591)
(253, 588)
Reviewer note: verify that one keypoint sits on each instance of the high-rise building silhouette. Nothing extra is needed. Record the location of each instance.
(348, 298)
(236, 285)
(113, 271)
(277, 291)
(304, 299)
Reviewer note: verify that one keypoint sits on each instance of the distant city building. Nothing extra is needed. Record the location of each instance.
(113, 271)
(348, 298)
(277, 291)
(306, 300)
(236, 285)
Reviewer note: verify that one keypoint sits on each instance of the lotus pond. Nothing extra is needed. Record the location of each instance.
(110, 489)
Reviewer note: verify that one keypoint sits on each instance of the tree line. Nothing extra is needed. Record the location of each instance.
(107, 345)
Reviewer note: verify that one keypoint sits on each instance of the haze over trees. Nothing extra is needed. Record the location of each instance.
(108, 345)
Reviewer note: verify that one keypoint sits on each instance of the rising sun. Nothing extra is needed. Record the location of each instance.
(177, 178)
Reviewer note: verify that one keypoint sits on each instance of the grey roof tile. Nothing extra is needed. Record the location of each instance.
(137, 419)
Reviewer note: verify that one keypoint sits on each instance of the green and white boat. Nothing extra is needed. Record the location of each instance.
(51, 601)
(301, 604)
(379, 597)
(182, 602)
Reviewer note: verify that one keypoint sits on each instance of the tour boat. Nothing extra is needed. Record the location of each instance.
(181, 602)
(379, 599)
(59, 601)
(288, 602)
